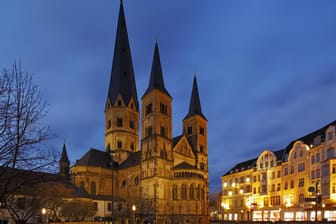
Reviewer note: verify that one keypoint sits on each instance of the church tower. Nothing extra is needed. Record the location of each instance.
(195, 128)
(122, 107)
(64, 163)
(156, 143)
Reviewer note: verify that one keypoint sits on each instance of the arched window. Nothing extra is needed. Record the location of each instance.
(184, 191)
(174, 193)
(191, 192)
(93, 188)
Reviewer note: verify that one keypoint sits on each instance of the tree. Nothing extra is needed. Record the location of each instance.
(77, 210)
(22, 134)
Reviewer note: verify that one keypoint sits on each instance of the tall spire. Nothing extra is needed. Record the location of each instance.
(122, 79)
(64, 156)
(156, 78)
(195, 103)
(64, 163)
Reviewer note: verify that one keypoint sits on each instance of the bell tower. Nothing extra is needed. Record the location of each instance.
(156, 142)
(122, 107)
(195, 128)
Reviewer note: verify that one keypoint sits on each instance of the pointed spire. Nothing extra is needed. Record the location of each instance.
(156, 78)
(64, 156)
(122, 75)
(195, 103)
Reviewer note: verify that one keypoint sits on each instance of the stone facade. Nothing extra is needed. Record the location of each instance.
(155, 178)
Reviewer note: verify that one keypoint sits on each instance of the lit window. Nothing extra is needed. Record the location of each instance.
(301, 167)
(292, 184)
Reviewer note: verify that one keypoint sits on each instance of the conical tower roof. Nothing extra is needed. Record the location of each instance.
(122, 79)
(195, 103)
(156, 77)
(64, 156)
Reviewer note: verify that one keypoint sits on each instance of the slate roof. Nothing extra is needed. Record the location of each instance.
(31, 182)
(122, 79)
(282, 154)
(156, 77)
(64, 156)
(133, 160)
(242, 166)
(309, 138)
(95, 157)
(195, 103)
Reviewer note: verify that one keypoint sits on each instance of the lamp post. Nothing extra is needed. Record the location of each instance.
(322, 215)
(44, 214)
(223, 206)
(133, 209)
(112, 153)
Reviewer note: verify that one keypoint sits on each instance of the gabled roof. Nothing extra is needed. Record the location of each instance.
(177, 139)
(156, 77)
(184, 166)
(195, 103)
(122, 79)
(95, 157)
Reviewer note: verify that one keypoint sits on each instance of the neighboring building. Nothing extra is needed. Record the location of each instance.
(36, 197)
(157, 178)
(295, 183)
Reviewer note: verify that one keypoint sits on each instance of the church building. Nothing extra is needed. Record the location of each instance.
(151, 176)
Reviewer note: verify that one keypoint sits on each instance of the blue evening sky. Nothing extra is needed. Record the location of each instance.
(266, 70)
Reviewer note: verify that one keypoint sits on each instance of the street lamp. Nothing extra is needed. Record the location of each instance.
(133, 209)
(45, 214)
(112, 153)
(223, 206)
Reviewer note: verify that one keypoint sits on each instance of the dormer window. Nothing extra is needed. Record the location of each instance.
(119, 103)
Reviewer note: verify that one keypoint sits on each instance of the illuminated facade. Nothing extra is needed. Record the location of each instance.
(292, 184)
(156, 178)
